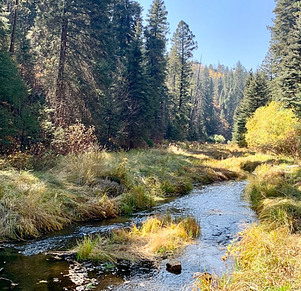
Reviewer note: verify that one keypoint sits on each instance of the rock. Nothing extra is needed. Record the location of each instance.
(62, 255)
(174, 266)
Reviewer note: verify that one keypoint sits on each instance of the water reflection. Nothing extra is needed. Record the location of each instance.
(220, 209)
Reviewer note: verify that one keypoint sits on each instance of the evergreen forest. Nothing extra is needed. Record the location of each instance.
(111, 131)
(100, 66)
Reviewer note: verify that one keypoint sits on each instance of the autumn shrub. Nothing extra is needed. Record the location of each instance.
(75, 138)
(274, 128)
(217, 138)
(20, 160)
(43, 158)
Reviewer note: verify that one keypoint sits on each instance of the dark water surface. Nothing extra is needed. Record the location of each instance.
(220, 209)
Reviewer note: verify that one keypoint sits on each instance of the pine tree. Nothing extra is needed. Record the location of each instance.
(18, 123)
(290, 77)
(3, 27)
(283, 50)
(196, 116)
(156, 65)
(137, 100)
(256, 94)
(180, 73)
(62, 38)
(231, 94)
(207, 101)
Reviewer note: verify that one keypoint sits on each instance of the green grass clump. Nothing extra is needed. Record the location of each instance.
(275, 195)
(92, 249)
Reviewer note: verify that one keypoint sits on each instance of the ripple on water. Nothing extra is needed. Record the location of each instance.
(220, 209)
(222, 212)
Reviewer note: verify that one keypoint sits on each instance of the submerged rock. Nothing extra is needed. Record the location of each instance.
(174, 266)
(62, 255)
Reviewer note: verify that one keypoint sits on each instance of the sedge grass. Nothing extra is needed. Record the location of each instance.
(97, 185)
(156, 237)
(267, 260)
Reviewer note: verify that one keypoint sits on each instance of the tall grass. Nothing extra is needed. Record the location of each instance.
(96, 185)
(157, 236)
(267, 260)
(276, 196)
(32, 205)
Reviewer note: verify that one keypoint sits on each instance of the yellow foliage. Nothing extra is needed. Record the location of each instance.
(164, 234)
(157, 236)
(273, 128)
(267, 260)
(213, 74)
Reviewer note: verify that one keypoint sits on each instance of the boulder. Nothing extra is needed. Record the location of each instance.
(174, 266)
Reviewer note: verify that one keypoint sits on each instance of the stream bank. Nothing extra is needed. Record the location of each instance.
(221, 210)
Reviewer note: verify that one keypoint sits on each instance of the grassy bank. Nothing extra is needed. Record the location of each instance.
(35, 199)
(156, 237)
(268, 255)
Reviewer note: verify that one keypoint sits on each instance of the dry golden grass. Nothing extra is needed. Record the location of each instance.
(275, 195)
(267, 260)
(155, 238)
(74, 189)
(164, 235)
(32, 205)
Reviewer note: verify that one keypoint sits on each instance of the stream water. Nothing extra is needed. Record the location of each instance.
(220, 209)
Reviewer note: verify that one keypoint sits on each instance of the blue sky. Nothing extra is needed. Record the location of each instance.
(227, 31)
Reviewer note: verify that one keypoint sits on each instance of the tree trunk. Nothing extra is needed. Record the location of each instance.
(61, 117)
(14, 27)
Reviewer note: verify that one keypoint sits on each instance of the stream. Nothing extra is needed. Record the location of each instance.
(221, 210)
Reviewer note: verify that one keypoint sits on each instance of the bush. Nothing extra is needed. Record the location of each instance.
(217, 138)
(274, 128)
(75, 138)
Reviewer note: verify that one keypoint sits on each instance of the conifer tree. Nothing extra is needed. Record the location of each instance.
(18, 122)
(207, 101)
(137, 113)
(290, 77)
(256, 94)
(231, 94)
(180, 72)
(283, 50)
(62, 38)
(196, 116)
(3, 27)
(156, 65)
